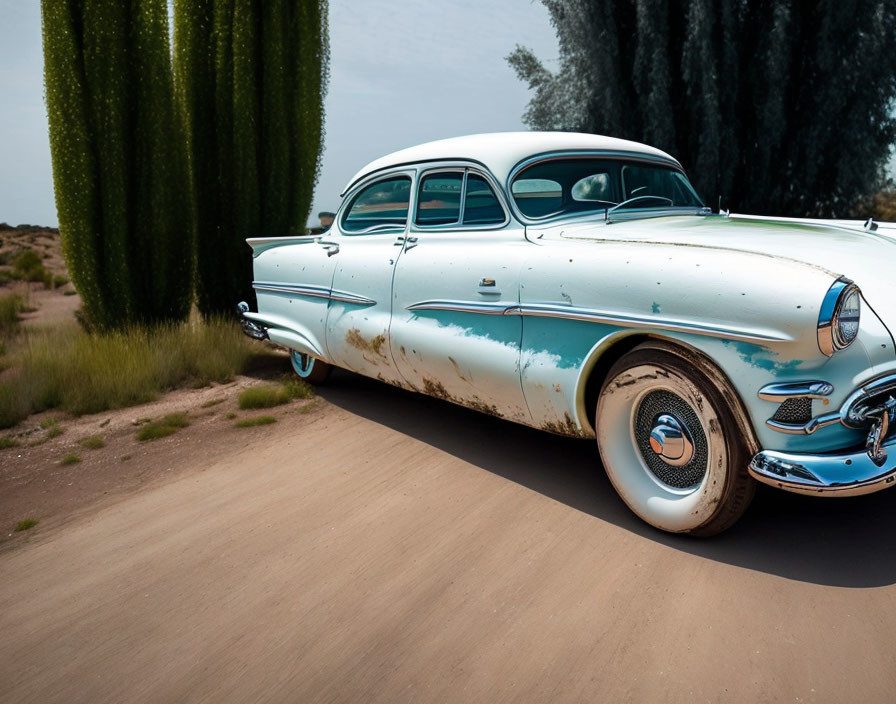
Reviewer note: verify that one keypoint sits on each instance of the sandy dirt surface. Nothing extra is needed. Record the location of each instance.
(387, 547)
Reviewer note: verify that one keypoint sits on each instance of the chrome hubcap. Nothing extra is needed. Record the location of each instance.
(670, 440)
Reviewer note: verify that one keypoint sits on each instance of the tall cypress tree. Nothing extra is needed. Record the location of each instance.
(782, 106)
(252, 77)
(119, 166)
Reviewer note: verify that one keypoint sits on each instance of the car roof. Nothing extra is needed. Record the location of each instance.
(500, 152)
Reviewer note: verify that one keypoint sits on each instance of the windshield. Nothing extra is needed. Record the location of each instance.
(581, 185)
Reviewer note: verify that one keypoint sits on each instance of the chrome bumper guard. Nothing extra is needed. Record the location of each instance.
(829, 475)
(254, 330)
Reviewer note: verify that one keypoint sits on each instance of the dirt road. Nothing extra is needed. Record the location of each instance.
(392, 548)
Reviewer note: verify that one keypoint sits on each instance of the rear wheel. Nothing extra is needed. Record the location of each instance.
(309, 368)
(670, 443)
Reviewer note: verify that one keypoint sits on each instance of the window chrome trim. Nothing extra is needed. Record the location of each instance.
(618, 155)
(457, 225)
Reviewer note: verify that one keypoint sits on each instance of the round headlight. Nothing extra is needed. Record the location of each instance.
(838, 322)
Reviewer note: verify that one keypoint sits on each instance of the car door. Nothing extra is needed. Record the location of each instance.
(292, 279)
(369, 234)
(453, 332)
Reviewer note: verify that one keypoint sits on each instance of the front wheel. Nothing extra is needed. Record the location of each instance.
(309, 368)
(670, 444)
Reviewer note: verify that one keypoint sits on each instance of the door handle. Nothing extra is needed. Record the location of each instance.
(408, 241)
(331, 247)
(488, 287)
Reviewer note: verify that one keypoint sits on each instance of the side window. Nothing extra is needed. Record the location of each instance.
(536, 197)
(481, 206)
(438, 200)
(383, 204)
(595, 187)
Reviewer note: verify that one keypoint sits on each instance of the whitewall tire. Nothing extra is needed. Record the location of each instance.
(670, 444)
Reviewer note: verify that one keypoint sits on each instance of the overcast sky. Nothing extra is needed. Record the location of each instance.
(401, 73)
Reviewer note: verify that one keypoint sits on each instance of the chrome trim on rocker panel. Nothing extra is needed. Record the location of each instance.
(548, 310)
(312, 292)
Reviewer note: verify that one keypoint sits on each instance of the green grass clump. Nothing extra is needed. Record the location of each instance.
(59, 280)
(270, 395)
(73, 458)
(256, 421)
(51, 425)
(92, 442)
(25, 525)
(8, 441)
(78, 372)
(11, 304)
(168, 425)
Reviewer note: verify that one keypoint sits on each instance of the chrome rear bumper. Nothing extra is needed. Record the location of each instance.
(251, 328)
(849, 474)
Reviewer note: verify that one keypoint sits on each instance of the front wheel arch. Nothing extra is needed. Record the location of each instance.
(610, 351)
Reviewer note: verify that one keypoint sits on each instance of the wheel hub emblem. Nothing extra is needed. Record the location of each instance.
(670, 440)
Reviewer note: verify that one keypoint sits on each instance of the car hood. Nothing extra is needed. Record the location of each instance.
(841, 248)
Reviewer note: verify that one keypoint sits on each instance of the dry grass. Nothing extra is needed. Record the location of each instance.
(256, 421)
(73, 458)
(11, 304)
(92, 442)
(67, 368)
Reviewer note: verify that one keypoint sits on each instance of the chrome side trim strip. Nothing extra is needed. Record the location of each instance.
(849, 474)
(496, 308)
(346, 297)
(778, 393)
(547, 310)
(312, 292)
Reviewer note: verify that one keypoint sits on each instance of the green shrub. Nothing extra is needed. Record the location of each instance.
(270, 395)
(256, 421)
(168, 425)
(80, 373)
(29, 267)
(70, 459)
(59, 280)
(25, 525)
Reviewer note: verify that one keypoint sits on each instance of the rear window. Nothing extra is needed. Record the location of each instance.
(438, 201)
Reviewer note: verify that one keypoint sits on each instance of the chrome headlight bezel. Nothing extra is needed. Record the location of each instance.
(836, 330)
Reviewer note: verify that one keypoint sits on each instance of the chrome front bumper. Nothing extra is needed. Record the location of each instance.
(849, 474)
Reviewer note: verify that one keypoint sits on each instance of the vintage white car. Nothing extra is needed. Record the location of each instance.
(578, 284)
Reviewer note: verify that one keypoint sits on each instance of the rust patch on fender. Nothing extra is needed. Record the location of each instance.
(354, 338)
(458, 371)
(567, 426)
(435, 388)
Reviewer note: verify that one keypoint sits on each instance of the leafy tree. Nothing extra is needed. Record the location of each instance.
(119, 166)
(780, 106)
(252, 77)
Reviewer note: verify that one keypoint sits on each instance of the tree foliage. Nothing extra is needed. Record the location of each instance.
(780, 106)
(119, 165)
(252, 78)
